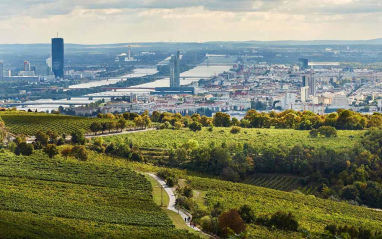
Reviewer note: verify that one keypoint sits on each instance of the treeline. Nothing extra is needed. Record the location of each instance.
(289, 119)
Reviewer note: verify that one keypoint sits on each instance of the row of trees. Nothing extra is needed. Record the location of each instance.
(307, 120)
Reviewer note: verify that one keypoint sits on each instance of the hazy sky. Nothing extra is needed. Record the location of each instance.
(115, 21)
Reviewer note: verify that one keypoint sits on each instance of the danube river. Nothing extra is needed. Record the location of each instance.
(199, 72)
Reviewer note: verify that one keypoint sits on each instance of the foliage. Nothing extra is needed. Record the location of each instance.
(232, 220)
(58, 198)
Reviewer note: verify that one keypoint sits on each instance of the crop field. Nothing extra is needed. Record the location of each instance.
(312, 213)
(29, 123)
(45, 198)
(166, 139)
(279, 182)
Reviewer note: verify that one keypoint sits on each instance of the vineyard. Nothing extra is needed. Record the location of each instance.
(26, 123)
(312, 213)
(280, 182)
(45, 198)
(166, 139)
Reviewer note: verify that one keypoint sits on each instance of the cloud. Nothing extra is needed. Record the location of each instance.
(112, 21)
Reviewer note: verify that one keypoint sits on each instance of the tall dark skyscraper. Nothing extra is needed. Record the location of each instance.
(58, 57)
(303, 63)
(175, 71)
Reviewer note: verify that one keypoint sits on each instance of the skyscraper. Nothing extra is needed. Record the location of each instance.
(175, 71)
(303, 63)
(58, 57)
(310, 81)
(1, 71)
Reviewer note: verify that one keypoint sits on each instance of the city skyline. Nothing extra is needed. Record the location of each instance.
(100, 22)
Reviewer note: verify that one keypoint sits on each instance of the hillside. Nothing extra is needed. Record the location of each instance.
(312, 213)
(58, 198)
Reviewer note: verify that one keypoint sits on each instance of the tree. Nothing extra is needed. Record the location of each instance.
(51, 150)
(52, 136)
(78, 137)
(327, 131)
(24, 149)
(121, 124)
(66, 151)
(139, 121)
(42, 138)
(221, 119)
(247, 214)
(232, 220)
(195, 126)
(146, 121)
(80, 152)
(95, 127)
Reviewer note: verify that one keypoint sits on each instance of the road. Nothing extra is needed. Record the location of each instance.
(118, 133)
(172, 198)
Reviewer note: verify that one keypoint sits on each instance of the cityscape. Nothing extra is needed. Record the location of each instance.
(212, 119)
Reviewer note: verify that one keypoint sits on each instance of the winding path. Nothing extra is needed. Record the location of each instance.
(172, 198)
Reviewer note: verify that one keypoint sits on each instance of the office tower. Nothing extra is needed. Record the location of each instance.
(27, 66)
(1, 71)
(303, 63)
(174, 71)
(310, 81)
(58, 57)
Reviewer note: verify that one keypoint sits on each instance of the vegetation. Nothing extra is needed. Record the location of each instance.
(58, 198)
(29, 123)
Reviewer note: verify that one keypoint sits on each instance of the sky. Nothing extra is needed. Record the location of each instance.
(120, 21)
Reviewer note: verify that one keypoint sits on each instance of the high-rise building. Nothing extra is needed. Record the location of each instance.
(175, 71)
(1, 71)
(304, 93)
(58, 57)
(303, 63)
(310, 81)
(27, 66)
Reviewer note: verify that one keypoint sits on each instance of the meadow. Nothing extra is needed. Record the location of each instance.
(58, 198)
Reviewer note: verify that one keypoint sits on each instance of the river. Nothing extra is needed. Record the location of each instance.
(201, 71)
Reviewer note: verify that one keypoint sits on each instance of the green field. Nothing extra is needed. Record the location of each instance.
(45, 198)
(166, 139)
(18, 122)
(312, 213)
(280, 182)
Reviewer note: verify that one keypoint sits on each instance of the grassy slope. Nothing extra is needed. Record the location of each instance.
(44, 198)
(313, 213)
(258, 137)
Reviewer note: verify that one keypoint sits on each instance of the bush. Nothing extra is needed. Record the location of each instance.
(247, 214)
(171, 182)
(327, 131)
(235, 130)
(24, 149)
(80, 152)
(195, 126)
(313, 133)
(280, 220)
